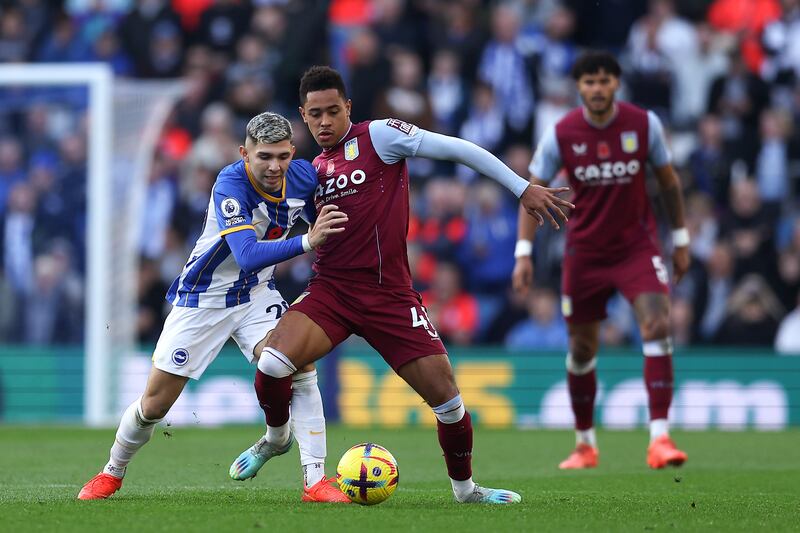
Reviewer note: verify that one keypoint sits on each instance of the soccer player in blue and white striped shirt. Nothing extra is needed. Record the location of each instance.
(227, 290)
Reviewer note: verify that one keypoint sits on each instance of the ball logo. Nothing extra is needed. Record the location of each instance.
(376, 471)
(230, 207)
(180, 357)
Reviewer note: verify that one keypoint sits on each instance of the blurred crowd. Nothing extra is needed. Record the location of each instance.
(723, 75)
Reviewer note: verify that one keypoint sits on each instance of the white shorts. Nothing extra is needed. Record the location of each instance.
(192, 337)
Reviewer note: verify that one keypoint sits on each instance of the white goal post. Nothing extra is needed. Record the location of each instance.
(99, 80)
(125, 118)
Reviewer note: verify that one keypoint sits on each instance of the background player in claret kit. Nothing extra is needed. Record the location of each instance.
(227, 290)
(363, 284)
(611, 244)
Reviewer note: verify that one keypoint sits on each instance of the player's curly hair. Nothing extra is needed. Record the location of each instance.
(321, 78)
(594, 61)
(268, 128)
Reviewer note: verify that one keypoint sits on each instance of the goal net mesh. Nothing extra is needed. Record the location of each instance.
(140, 109)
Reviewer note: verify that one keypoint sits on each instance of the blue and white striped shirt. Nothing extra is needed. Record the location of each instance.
(211, 277)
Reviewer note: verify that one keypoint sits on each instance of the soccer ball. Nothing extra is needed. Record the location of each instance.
(367, 473)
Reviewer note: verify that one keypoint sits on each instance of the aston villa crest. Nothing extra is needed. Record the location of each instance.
(351, 149)
(630, 142)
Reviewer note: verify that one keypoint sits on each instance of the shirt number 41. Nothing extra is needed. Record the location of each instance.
(419, 318)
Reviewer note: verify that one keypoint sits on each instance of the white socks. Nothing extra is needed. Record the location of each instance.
(313, 473)
(586, 436)
(277, 435)
(462, 489)
(658, 427)
(308, 424)
(134, 431)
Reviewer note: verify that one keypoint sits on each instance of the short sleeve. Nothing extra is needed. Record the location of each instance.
(546, 161)
(657, 154)
(231, 207)
(394, 139)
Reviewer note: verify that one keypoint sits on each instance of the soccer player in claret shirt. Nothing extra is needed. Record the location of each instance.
(227, 290)
(363, 284)
(604, 147)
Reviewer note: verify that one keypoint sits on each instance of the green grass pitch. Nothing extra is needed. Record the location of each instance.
(179, 482)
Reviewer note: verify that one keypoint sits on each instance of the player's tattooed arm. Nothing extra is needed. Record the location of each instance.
(671, 191)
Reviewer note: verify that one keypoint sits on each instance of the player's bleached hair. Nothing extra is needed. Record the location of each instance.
(268, 128)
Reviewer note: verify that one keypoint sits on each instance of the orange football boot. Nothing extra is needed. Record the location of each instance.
(662, 452)
(584, 456)
(326, 491)
(100, 487)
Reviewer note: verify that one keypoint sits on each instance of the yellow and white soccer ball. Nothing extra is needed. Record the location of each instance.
(367, 473)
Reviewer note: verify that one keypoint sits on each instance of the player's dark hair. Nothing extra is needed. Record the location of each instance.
(321, 78)
(593, 61)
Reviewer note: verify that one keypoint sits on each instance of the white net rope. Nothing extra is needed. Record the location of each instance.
(140, 110)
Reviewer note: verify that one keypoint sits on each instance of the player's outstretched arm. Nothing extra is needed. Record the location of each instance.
(672, 193)
(252, 255)
(538, 201)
